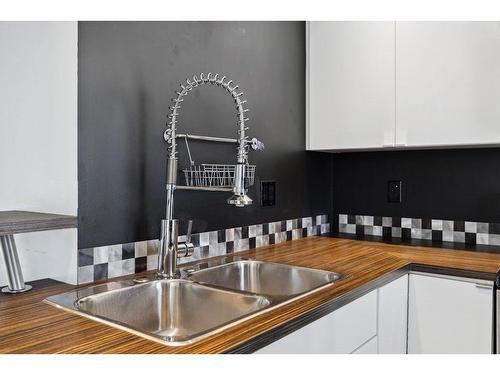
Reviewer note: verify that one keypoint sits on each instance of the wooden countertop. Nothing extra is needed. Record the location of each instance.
(27, 325)
(12, 222)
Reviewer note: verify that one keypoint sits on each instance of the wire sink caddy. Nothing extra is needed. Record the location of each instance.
(216, 175)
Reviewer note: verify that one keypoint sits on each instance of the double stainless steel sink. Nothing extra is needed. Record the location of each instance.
(181, 311)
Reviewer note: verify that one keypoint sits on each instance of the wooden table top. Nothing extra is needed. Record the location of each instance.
(12, 222)
(27, 325)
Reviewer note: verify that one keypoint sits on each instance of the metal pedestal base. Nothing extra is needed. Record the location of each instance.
(25, 289)
(15, 281)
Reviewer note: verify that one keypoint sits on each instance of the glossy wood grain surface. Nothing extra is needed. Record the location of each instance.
(27, 325)
(12, 222)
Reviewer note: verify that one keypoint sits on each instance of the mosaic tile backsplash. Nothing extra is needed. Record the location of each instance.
(106, 262)
(436, 230)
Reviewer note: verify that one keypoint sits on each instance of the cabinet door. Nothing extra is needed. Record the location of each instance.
(447, 83)
(449, 316)
(340, 332)
(370, 347)
(392, 316)
(350, 85)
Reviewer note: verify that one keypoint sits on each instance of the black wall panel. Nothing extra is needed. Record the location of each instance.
(442, 184)
(127, 74)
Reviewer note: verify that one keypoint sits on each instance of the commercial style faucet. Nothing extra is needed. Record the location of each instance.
(230, 178)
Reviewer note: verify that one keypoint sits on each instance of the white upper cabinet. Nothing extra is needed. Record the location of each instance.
(447, 83)
(402, 84)
(350, 74)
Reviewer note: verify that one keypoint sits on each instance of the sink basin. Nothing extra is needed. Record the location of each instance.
(170, 311)
(277, 281)
(182, 311)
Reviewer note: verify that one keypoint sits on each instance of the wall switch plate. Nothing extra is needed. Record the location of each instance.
(394, 191)
(267, 193)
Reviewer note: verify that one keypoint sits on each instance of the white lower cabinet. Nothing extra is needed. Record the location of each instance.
(370, 347)
(340, 332)
(449, 315)
(353, 327)
(416, 313)
(393, 316)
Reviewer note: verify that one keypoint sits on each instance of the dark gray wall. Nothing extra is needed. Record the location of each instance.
(127, 74)
(461, 184)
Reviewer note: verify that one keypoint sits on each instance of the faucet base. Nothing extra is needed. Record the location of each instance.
(176, 275)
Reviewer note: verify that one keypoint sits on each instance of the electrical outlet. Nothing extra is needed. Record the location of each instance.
(267, 193)
(394, 191)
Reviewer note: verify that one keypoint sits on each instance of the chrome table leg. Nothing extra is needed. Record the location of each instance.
(14, 273)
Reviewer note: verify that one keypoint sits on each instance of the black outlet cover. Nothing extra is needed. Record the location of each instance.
(394, 191)
(267, 193)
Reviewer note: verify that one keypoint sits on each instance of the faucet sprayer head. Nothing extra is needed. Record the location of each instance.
(239, 197)
(240, 200)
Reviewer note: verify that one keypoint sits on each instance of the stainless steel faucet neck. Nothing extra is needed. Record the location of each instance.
(171, 249)
(167, 266)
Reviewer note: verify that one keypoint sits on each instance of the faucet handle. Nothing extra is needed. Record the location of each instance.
(189, 231)
(186, 248)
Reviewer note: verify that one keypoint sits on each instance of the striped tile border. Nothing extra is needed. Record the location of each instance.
(105, 262)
